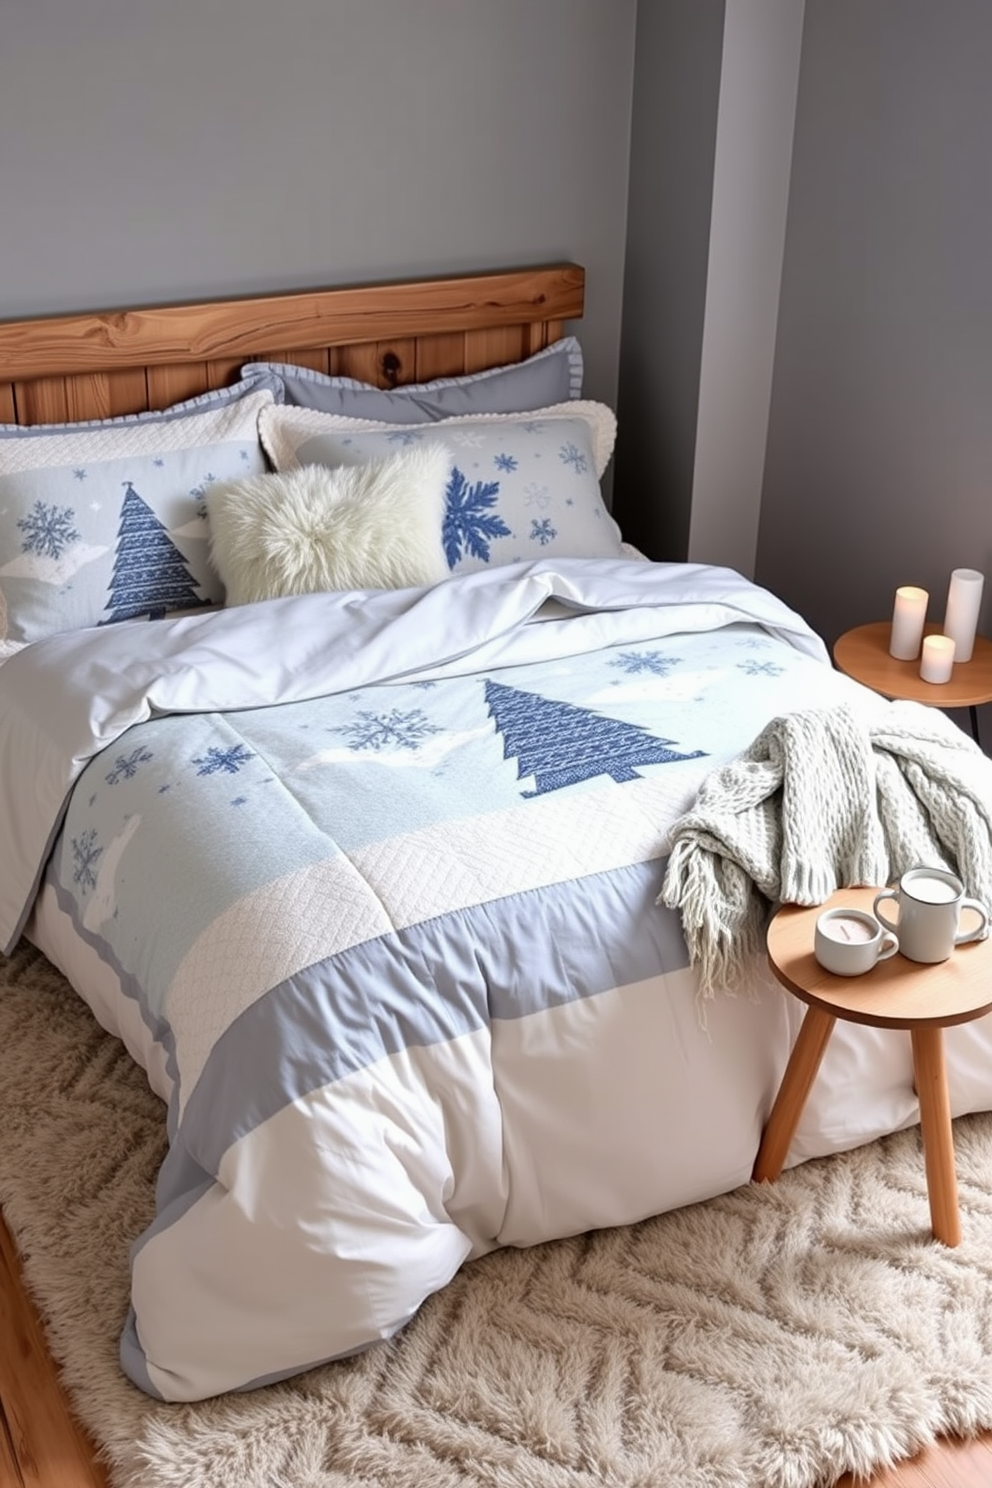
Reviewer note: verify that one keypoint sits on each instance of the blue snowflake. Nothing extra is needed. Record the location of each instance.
(469, 525)
(542, 531)
(85, 854)
(239, 800)
(201, 490)
(404, 436)
(377, 730)
(760, 668)
(645, 661)
(505, 462)
(49, 530)
(424, 686)
(126, 766)
(244, 456)
(79, 473)
(229, 760)
(158, 461)
(570, 454)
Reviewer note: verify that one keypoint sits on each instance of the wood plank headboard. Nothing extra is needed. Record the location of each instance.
(70, 367)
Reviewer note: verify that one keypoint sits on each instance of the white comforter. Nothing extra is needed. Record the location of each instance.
(368, 884)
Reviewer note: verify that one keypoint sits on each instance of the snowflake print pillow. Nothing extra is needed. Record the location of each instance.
(521, 486)
(106, 521)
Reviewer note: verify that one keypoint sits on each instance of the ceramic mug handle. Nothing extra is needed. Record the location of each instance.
(885, 894)
(890, 944)
(981, 930)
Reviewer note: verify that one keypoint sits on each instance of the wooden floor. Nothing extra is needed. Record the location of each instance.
(42, 1446)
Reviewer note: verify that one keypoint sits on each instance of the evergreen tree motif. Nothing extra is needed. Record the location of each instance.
(150, 576)
(561, 744)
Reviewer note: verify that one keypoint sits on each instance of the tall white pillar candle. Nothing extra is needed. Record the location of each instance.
(964, 600)
(907, 622)
(938, 659)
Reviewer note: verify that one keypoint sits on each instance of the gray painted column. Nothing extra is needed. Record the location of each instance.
(758, 87)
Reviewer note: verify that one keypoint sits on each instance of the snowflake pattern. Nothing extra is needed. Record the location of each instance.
(79, 473)
(469, 523)
(229, 760)
(537, 495)
(378, 730)
(542, 531)
(49, 530)
(633, 662)
(505, 462)
(404, 436)
(760, 668)
(84, 855)
(570, 454)
(753, 643)
(198, 492)
(126, 765)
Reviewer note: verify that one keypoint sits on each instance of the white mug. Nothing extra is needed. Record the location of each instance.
(849, 942)
(930, 901)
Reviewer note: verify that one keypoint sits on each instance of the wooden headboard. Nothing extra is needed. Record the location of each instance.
(70, 367)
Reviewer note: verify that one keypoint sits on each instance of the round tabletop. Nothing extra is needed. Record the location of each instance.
(863, 653)
(896, 993)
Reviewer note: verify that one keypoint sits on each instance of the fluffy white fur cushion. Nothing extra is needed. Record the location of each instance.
(373, 526)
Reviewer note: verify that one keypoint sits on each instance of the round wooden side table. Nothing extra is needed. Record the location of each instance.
(896, 993)
(863, 653)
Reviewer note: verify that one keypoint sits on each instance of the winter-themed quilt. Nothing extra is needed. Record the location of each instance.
(377, 872)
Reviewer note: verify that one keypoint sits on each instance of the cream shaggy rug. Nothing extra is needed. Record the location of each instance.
(772, 1338)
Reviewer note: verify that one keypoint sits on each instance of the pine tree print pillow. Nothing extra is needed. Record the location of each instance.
(521, 485)
(105, 521)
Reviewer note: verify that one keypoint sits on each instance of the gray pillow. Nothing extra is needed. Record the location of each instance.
(551, 376)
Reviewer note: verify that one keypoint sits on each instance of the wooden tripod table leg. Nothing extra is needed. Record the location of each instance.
(938, 1139)
(800, 1072)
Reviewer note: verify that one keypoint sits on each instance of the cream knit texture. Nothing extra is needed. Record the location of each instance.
(821, 800)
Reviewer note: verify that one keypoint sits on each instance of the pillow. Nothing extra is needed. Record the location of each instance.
(549, 376)
(103, 520)
(522, 485)
(374, 526)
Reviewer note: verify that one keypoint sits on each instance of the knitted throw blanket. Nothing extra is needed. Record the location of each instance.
(821, 800)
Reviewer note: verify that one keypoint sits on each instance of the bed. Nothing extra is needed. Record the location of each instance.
(367, 877)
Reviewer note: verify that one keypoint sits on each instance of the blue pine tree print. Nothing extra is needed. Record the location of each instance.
(229, 760)
(469, 523)
(150, 576)
(48, 530)
(561, 744)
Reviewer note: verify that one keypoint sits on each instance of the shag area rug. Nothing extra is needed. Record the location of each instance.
(775, 1337)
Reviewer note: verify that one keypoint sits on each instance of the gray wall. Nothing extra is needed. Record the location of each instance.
(155, 152)
(879, 456)
(673, 143)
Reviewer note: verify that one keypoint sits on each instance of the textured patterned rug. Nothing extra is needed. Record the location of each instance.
(772, 1338)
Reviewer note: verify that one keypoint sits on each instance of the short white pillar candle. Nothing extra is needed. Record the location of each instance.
(907, 622)
(938, 659)
(964, 600)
